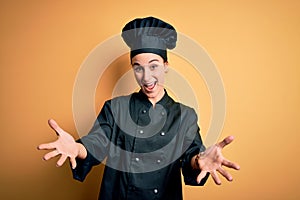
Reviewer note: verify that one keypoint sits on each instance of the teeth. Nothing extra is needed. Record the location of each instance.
(150, 84)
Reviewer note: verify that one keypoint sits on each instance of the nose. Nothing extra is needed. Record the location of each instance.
(147, 75)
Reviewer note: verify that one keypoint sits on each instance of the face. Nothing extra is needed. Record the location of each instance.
(149, 70)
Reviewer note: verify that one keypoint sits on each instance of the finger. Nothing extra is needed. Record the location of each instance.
(55, 126)
(226, 141)
(216, 177)
(224, 173)
(46, 146)
(229, 164)
(50, 155)
(73, 162)
(61, 160)
(201, 176)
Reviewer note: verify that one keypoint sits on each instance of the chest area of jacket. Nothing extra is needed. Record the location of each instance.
(145, 129)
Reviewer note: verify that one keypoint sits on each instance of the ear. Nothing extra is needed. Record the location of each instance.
(166, 66)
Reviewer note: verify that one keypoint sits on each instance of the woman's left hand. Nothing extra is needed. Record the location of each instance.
(212, 161)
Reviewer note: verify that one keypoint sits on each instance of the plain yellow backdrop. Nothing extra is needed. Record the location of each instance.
(255, 45)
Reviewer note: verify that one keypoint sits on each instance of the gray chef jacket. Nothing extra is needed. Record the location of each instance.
(144, 148)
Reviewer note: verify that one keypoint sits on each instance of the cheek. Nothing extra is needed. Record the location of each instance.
(161, 77)
(138, 77)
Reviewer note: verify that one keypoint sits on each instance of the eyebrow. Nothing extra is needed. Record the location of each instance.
(153, 60)
(138, 64)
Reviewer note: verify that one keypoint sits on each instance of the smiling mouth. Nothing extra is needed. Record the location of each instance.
(150, 86)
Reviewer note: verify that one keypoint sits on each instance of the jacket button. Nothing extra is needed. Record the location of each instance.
(132, 188)
(162, 133)
(158, 161)
(155, 191)
(137, 159)
(141, 131)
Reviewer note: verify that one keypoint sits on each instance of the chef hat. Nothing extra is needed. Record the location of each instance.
(149, 35)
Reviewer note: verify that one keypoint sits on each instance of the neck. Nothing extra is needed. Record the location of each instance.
(156, 99)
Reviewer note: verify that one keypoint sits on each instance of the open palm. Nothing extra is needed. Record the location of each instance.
(65, 146)
(212, 161)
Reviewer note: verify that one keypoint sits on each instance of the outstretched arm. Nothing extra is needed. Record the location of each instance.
(65, 146)
(212, 161)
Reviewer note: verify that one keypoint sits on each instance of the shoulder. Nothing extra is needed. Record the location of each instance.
(187, 110)
(175, 105)
(113, 106)
(117, 104)
(118, 99)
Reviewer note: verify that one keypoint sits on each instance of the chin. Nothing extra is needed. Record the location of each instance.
(153, 95)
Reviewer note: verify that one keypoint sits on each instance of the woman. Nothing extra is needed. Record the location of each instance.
(146, 137)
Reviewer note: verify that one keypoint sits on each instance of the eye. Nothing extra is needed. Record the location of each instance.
(138, 69)
(153, 67)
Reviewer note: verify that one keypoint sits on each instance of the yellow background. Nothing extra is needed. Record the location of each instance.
(255, 45)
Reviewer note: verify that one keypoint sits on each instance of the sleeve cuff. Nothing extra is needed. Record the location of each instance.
(84, 166)
(189, 174)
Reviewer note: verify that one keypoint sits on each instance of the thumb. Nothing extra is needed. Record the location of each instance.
(226, 141)
(55, 126)
(201, 176)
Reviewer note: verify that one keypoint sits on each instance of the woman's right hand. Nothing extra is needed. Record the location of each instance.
(65, 146)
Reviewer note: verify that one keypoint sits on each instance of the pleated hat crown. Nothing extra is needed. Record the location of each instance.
(149, 35)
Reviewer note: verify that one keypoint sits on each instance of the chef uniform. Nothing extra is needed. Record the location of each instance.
(144, 148)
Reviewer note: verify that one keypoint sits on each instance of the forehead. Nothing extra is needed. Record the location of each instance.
(146, 58)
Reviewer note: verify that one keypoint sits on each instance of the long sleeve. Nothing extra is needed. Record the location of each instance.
(195, 145)
(84, 166)
(96, 143)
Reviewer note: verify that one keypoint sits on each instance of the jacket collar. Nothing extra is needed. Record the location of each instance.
(163, 101)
